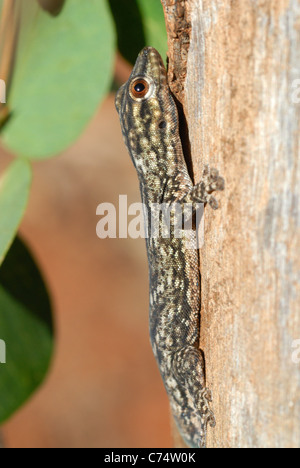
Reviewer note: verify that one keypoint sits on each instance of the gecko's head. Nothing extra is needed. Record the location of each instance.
(148, 114)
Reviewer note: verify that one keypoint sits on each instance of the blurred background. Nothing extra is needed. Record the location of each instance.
(100, 387)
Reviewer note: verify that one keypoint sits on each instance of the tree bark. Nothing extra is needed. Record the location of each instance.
(239, 87)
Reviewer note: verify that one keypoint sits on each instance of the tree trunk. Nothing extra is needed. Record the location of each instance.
(235, 66)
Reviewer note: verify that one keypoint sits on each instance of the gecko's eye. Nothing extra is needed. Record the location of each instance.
(140, 89)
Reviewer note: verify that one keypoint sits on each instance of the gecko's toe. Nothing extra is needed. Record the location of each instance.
(214, 173)
(213, 203)
(206, 171)
(211, 420)
(212, 180)
(220, 184)
(208, 415)
(207, 394)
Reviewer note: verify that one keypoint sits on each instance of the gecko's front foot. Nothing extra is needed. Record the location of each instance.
(212, 182)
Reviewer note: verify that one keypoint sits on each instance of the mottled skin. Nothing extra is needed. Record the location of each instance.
(151, 132)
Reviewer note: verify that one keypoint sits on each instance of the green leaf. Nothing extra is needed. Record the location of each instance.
(53, 7)
(25, 328)
(130, 28)
(14, 192)
(139, 23)
(21, 278)
(154, 25)
(64, 69)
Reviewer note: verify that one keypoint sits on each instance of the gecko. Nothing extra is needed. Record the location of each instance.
(150, 127)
